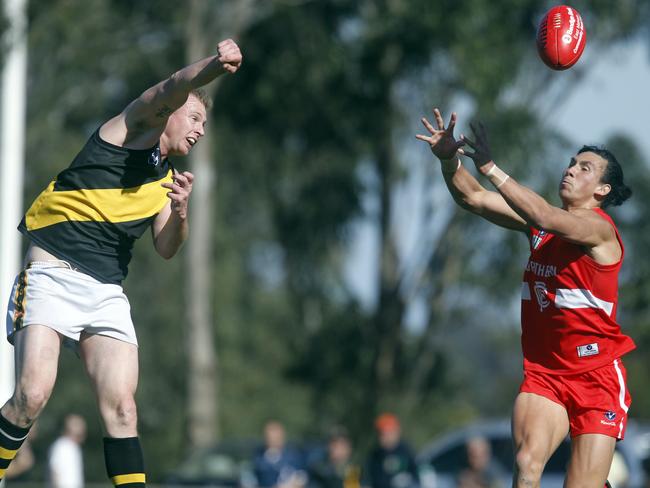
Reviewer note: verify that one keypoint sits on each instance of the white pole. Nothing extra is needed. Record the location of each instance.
(12, 149)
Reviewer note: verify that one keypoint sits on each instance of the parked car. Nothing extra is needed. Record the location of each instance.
(443, 459)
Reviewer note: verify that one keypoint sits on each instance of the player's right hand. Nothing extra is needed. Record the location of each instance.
(482, 154)
(442, 141)
(229, 55)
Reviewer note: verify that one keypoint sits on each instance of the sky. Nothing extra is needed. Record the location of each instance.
(613, 98)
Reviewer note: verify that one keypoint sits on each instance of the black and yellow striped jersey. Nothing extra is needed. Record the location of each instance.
(91, 214)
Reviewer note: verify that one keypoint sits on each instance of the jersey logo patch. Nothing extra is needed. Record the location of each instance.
(537, 240)
(588, 350)
(609, 415)
(542, 296)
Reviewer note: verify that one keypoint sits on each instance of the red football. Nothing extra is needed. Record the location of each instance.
(561, 37)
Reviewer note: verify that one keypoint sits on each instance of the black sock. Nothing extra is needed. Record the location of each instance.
(124, 462)
(11, 438)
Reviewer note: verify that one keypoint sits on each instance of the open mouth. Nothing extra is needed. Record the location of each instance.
(191, 140)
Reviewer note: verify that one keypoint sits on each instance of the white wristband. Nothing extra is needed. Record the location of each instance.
(497, 176)
(504, 180)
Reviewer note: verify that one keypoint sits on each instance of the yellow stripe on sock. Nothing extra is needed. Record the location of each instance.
(7, 453)
(2, 473)
(122, 479)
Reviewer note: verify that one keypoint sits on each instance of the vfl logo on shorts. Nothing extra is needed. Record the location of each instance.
(610, 416)
(542, 296)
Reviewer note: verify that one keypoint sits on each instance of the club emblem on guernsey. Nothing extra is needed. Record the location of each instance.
(537, 239)
(609, 415)
(541, 294)
(154, 157)
(588, 350)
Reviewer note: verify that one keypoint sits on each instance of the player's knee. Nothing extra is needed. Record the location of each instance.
(29, 400)
(528, 466)
(124, 412)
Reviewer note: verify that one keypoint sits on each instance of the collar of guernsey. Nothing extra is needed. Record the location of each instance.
(568, 307)
(93, 211)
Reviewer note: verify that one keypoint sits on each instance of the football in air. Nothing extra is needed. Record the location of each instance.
(561, 37)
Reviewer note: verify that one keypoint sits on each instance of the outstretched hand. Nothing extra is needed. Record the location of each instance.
(481, 155)
(179, 193)
(229, 55)
(442, 141)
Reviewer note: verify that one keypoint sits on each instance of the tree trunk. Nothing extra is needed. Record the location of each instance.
(390, 307)
(203, 386)
(204, 28)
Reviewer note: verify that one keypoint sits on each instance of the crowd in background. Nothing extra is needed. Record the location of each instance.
(277, 463)
(390, 463)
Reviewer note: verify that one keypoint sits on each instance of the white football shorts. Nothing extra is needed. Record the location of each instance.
(53, 294)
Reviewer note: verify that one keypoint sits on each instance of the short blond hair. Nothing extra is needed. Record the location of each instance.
(203, 97)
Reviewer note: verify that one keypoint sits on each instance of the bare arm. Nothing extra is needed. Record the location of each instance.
(144, 119)
(463, 187)
(581, 226)
(171, 227)
(470, 195)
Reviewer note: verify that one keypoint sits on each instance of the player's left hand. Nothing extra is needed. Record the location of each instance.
(229, 55)
(481, 155)
(179, 193)
(442, 141)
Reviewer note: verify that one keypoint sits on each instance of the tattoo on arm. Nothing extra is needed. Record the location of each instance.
(164, 112)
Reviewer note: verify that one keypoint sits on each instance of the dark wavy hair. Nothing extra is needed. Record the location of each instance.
(613, 176)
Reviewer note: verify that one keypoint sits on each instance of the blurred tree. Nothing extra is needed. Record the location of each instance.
(207, 24)
(330, 86)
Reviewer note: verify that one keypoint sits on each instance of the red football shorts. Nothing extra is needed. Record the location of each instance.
(596, 401)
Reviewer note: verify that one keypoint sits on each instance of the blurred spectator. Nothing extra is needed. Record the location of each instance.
(391, 464)
(482, 471)
(65, 460)
(276, 464)
(336, 470)
(24, 461)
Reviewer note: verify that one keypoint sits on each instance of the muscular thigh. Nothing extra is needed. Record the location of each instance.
(112, 366)
(591, 458)
(36, 353)
(539, 425)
